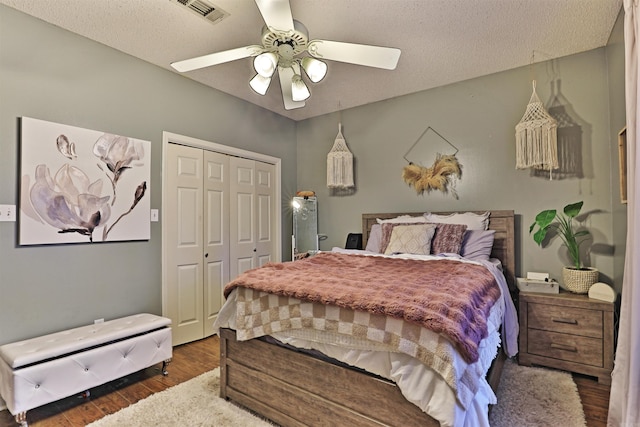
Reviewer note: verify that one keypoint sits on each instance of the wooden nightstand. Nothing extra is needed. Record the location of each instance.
(567, 331)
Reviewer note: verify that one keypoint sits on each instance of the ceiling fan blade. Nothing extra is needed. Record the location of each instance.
(359, 54)
(286, 74)
(276, 14)
(216, 58)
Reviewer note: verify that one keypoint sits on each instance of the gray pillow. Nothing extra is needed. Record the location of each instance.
(477, 244)
(375, 239)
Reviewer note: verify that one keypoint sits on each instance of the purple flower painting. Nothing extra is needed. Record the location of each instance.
(82, 186)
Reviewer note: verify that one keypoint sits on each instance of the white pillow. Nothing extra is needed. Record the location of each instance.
(403, 219)
(473, 221)
(411, 239)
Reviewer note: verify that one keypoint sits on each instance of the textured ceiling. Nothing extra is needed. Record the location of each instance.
(442, 41)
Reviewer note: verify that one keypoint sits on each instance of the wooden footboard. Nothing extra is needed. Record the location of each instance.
(295, 389)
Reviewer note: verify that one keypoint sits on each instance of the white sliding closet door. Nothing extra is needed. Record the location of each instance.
(252, 214)
(183, 257)
(220, 219)
(216, 235)
(266, 219)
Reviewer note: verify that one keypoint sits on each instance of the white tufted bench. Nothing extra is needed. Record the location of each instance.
(44, 369)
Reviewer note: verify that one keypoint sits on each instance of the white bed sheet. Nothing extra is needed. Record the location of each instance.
(418, 383)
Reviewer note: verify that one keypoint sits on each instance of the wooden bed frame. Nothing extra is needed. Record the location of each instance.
(293, 388)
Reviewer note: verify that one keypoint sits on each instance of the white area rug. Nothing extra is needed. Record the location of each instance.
(531, 397)
(527, 397)
(192, 403)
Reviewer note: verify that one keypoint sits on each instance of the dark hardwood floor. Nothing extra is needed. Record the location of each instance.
(595, 400)
(193, 359)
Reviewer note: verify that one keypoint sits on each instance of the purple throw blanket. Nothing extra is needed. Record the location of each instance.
(449, 297)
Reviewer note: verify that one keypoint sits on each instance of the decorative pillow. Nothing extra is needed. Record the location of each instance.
(387, 229)
(448, 238)
(404, 219)
(472, 220)
(477, 244)
(375, 237)
(411, 239)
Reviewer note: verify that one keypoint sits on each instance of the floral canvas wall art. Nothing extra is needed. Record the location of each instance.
(82, 186)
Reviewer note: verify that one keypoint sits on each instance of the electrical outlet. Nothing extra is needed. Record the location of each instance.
(8, 213)
(98, 321)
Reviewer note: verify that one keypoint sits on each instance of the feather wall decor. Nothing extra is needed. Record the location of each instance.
(441, 176)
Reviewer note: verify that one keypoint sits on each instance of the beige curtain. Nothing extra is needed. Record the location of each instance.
(624, 404)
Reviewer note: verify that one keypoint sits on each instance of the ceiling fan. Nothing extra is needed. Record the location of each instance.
(286, 48)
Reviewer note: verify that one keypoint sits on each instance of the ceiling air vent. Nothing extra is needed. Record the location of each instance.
(204, 9)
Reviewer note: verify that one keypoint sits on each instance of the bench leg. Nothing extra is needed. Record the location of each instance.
(21, 418)
(164, 367)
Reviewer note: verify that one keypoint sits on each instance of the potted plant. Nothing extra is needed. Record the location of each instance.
(577, 278)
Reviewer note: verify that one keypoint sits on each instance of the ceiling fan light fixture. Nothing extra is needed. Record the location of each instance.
(285, 49)
(315, 69)
(299, 90)
(260, 84)
(265, 64)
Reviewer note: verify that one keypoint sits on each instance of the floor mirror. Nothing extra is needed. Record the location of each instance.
(305, 227)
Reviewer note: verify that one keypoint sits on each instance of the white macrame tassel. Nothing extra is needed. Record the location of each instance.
(340, 163)
(537, 138)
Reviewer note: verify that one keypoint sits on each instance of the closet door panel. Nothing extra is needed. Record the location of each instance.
(184, 261)
(244, 208)
(216, 235)
(189, 229)
(265, 215)
(242, 216)
(189, 289)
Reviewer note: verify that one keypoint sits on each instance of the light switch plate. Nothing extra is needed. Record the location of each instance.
(154, 215)
(8, 213)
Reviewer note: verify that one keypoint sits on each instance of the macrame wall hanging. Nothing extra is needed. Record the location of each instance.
(340, 164)
(569, 137)
(442, 175)
(537, 138)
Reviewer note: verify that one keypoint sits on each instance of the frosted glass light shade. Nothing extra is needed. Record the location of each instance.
(260, 84)
(265, 64)
(315, 69)
(299, 90)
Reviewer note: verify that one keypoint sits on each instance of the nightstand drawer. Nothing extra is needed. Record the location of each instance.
(573, 348)
(569, 320)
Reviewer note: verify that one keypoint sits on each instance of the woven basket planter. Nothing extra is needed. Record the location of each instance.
(579, 281)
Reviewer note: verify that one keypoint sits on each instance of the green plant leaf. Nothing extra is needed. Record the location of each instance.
(544, 218)
(573, 209)
(539, 235)
(563, 224)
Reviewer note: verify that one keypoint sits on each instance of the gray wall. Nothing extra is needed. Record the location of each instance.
(54, 75)
(478, 117)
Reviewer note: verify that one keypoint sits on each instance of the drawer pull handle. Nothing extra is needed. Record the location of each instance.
(564, 347)
(564, 320)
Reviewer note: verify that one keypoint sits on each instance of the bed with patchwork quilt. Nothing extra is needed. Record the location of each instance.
(404, 333)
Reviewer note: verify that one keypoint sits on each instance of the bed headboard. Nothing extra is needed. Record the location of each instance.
(503, 244)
